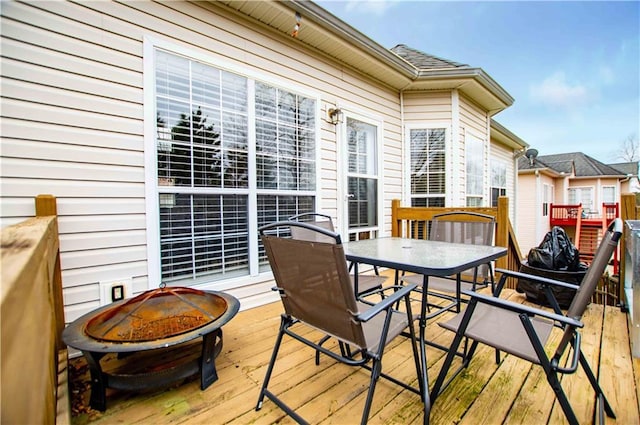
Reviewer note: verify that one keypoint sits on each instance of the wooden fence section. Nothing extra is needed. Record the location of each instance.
(413, 222)
(33, 356)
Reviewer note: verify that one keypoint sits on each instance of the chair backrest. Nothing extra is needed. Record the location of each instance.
(464, 227)
(320, 220)
(590, 281)
(313, 280)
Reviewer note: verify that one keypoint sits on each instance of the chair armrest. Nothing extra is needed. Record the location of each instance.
(540, 279)
(387, 302)
(521, 308)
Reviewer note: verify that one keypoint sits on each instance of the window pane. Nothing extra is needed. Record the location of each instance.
(427, 161)
(272, 208)
(204, 236)
(427, 202)
(474, 153)
(363, 204)
(285, 148)
(609, 194)
(361, 147)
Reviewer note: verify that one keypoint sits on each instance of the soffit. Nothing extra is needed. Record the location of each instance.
(326, 37)
(331, 36)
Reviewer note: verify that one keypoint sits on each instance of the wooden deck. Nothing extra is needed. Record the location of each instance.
(512, 392)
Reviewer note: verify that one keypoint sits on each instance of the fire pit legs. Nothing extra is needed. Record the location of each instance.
(98, 400)
(205, 364)
(211, 347)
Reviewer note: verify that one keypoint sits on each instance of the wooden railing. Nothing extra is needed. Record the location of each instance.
(33, 355)
(413, 222)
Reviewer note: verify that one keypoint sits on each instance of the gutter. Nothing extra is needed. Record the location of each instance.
(334, 25)
(345, 31)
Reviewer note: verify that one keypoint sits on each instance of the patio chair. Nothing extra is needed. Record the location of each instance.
(523, 331)
(363, 284)
(459, 227)
(313, 281)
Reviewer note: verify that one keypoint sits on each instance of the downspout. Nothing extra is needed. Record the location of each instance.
(454, 198)
(403, 173)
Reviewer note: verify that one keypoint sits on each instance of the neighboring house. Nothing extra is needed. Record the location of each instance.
(170, 132)
(631, 183)
(570, 178)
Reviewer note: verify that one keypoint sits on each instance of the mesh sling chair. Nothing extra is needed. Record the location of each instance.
(523, 331)
(314, 285)
(363, 284)
(459, 227)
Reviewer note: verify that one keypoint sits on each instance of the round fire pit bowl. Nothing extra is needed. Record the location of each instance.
(152, 322)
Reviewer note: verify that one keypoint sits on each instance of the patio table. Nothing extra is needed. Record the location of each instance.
(425, 257)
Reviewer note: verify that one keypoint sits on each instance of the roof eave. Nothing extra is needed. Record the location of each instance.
(506, 137)
(474, 81)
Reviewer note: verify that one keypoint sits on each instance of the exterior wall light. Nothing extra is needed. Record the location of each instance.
(335, 115)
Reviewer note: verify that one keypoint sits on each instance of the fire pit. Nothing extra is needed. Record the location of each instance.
(154, 320)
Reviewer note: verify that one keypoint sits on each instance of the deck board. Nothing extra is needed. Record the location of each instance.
(513, 392)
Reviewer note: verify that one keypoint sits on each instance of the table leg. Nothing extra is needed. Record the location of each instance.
(423, 351)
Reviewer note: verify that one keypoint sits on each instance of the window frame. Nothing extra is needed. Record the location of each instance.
(581, 189)
(480, 198)
(151, 187)
(502, 190)
(436, 125)
(615, 195)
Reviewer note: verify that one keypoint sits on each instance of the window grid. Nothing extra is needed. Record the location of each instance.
(202, 142)
(427, 150)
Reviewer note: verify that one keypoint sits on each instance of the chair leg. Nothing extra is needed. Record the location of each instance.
(274, 355)
(552, 378)
(604, 403)
(376, 368)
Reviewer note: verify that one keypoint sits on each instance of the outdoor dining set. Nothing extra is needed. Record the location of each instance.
(322, 285)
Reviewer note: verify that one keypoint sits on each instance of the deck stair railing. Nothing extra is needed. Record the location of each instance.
(585, 227)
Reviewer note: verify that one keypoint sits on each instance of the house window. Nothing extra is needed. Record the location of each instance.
(362, 176)
(547, 195)
(206, 179)
(609, 194)
(498, 181)
(581, 195)
(474, 154)
(427, 150)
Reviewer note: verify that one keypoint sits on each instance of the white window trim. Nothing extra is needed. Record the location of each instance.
(150, 44)
(341, 155)
(448, 158)
(485, 175)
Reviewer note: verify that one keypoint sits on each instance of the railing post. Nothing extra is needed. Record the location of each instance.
(395, 231)
(46, 205)
(502, 229)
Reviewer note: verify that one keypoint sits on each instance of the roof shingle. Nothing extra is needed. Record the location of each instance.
(424, 61)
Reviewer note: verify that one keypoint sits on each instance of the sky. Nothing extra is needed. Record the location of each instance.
(573, 67)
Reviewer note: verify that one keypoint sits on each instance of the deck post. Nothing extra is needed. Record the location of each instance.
(502, 229)
(628, 211)
(46, 205)
(395, 231)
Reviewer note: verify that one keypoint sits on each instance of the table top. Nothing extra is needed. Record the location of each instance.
(75, 335)
(426, 257)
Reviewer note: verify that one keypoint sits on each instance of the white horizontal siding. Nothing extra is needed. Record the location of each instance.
(73, 126)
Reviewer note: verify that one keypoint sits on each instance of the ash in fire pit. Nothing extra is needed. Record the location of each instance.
(156, 314)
